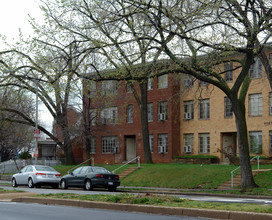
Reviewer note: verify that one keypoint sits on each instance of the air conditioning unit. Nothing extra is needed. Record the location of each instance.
(162, 117)
(162, 149)
(188, 115)
(188, 149)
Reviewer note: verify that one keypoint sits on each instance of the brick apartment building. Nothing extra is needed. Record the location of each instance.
(116, 124)
(208, 124)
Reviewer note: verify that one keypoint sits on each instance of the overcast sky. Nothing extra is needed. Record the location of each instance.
(14, 15)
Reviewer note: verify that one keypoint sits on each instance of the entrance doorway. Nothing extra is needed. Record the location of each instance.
(130, 147)
(229, 146)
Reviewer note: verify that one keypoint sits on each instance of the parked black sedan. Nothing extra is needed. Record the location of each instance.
(90, 177)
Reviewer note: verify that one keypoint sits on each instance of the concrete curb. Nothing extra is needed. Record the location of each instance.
(206, 213)
(10, 196)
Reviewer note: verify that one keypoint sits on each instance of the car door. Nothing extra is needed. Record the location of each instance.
(80, 177)
(72, 178)
(20, 176)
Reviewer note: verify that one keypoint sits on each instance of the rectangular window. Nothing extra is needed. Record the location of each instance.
(150, 112)
(163, 81)
(109, 115)
(228, 72)
(93, 145)
(270, 103)
(162, 111)
(188, 110)
(130, 114)
(109, 87)
(228, 108)
(163, 143)
(151, 142)
(255, 105)
(255, 138)
(204, 143)
(92, 116)
(188, 143)
(204, 109)
(129, 87)
(150, 84)
(110, 144)
(255, 70)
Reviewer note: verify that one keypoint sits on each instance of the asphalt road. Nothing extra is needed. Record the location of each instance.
(23, 211)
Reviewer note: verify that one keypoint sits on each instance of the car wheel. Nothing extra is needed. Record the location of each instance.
(14, 183)
(112, 188)
(30, 183)
(63, 184)
(88, 185)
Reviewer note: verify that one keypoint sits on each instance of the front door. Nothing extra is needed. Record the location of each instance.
(229, 146)
(130, 148)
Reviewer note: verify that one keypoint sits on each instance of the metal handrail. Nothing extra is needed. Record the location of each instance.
(81, 164)
(138, 158)
(233, 171)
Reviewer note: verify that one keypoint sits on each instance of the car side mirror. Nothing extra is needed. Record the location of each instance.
(71, 173)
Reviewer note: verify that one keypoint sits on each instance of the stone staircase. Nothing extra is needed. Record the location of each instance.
(128, 171)
(237, 180)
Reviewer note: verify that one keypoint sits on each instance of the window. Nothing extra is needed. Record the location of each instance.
(255, 105)
(110, 144)
(188, 81)
(130, 114)
(129, 88)
(270, 59)
(93, 145)
(188, 112)
(163, 143)
(204, 143)
(109, 115)
(92, 88)
(228, 67)
(151, 142)
(255, 138)
(188, 143)
(270, 105)
(163, 81)
(270, 141)
(109, 87)
(162, 111)
(228, 108)
(150, 112)
(92, 116)
(150, 84)
(204, 109)
(255, 70)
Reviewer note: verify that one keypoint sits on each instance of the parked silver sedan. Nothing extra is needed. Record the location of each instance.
(36, 175)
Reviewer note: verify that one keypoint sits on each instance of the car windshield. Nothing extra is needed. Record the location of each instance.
(100, 170)
(43, 168)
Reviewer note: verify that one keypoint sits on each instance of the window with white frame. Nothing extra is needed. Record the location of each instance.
(151, 142)
(92, 116)
(228, 67)
(163, 81)
(204, 109)
(188, 143)
(270, 141)
(93, 145)
(163, 143)
(255, 138)
(109, 87)
(110, 144)
(162, 111)
(150, 84)
(255, 105)
(255, 70)
(150, 112)
(188, 110)
(130, 114)
(228, 108)
(204, 143)
(109, 115)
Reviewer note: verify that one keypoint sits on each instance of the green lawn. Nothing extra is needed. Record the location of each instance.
(182, 176)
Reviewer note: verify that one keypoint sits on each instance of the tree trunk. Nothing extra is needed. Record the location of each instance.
(144, 123)
(247, 180)
(86, 127)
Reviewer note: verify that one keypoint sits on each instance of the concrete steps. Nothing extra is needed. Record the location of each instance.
(128, 171)
(237, 180)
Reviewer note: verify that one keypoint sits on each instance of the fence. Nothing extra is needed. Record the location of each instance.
(13, 166)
